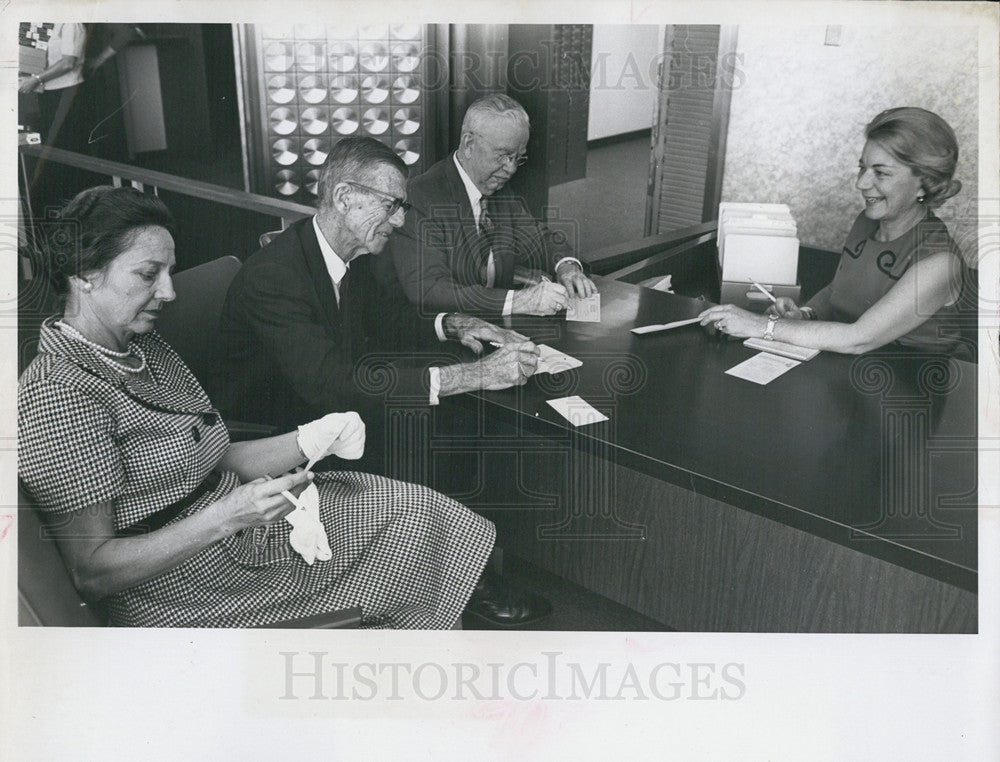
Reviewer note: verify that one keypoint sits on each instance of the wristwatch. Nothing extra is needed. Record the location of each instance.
(769, 331)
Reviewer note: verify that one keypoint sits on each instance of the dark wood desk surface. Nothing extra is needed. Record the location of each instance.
(875, 452)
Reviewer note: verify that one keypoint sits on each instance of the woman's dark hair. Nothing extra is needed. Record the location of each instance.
(925, 143)
(95, 227)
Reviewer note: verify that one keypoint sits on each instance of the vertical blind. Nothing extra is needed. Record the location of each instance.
(683, 133)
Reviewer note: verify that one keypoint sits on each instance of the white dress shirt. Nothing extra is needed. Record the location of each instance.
(334, 264)
(475, 196)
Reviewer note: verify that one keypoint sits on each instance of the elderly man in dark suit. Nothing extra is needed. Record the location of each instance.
(309, 330)
(306, 308)
(469, 241)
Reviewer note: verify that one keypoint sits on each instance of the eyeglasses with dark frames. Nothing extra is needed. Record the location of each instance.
(396, 203)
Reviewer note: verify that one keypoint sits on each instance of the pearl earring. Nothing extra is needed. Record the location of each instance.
(920, 199)
(87, 285)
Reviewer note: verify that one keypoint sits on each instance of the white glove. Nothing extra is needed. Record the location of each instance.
(340, 434)
(308, 537)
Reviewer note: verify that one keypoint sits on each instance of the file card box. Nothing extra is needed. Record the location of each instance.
(763, 258)
(749, 298)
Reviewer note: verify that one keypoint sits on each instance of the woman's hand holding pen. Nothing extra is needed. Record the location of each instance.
(259, 502)
(786, 308)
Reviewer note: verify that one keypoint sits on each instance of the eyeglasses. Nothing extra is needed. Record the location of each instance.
(395, 203)
(517, 159)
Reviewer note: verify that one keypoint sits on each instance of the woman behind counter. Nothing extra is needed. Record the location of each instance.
(156, 512)
(900, 272)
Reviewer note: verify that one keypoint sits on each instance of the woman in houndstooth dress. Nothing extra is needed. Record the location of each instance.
(158, 514)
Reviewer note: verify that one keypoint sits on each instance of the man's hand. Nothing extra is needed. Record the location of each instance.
(545, 298)
(572, 278)
(29, 85)
(510, 365)
(471, 331)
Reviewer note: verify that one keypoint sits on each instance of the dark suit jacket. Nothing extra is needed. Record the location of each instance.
(292, 354)
(439, 257)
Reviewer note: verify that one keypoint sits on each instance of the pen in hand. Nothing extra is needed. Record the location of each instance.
(772, 310)
(764, 291)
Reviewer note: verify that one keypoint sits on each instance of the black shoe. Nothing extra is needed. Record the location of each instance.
(498, 605)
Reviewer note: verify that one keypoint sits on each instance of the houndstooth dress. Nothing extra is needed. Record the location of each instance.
(407, 555)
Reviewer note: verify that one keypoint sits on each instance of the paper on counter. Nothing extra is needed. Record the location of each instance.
(553, 361)
(577, 410)
(587, 310)
(664, 326)
(762, 368)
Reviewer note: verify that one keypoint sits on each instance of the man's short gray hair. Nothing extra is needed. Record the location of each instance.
(489, 108)
(355, 159)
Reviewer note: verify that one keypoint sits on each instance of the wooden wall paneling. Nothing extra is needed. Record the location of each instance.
(548, 73)
(703, 565)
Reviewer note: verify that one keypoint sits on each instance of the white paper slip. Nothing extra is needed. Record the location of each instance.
(553, 361)
(762, 368)
(587, 310)
(577, 411)
(664, 326)
(781, 348)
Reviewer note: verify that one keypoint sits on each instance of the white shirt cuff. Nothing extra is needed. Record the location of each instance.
(435, 375)
(564, 260)
(508, 304)
(439, 328)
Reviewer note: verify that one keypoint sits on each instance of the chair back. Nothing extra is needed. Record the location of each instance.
(46, 596)
(270, 235)
(190, 323)
(45, 592)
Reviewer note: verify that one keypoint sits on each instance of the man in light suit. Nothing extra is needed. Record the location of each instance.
(469, 241)
(309, 331)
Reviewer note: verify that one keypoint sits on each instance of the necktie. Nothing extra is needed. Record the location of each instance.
(486, 228)
(486, 225)
(339, 288)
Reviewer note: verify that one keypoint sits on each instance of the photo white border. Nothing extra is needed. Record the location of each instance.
(216, 694)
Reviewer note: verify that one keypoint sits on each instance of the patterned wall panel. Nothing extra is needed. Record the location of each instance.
(316, 84)
(799, 109)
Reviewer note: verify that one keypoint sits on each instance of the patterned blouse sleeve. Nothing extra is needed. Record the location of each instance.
(66, 455)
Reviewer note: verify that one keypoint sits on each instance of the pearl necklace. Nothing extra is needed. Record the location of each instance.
(107, 355)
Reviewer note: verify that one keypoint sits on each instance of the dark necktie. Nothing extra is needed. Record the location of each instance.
(486, 230)
(342, 288)
(486, 226)
(351, 310)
